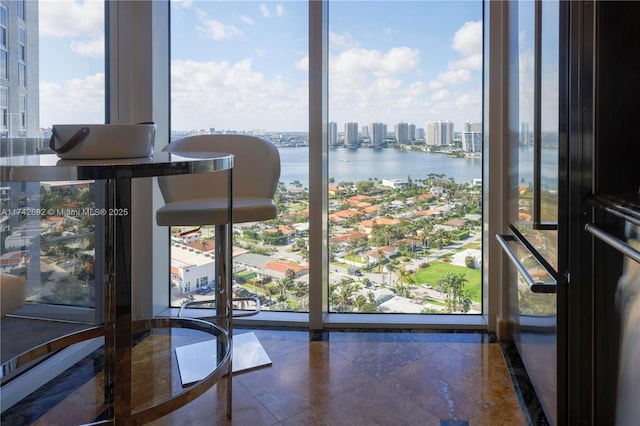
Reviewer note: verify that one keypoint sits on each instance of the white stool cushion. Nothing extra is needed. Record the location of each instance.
(213, 211)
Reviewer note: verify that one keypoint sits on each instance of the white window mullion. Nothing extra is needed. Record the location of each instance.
(318, 164)
(138, 57)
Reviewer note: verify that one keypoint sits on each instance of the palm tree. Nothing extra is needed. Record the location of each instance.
(391, 267)
(361, 302)
(300, 289)
(455, 297)
(284, 285)
(342, 294)
(272, 290)
(290, 274)
(382, 259)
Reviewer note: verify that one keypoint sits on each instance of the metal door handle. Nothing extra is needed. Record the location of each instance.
(535, 286)
(614, 242)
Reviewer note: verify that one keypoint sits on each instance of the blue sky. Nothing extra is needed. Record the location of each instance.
(243, 64)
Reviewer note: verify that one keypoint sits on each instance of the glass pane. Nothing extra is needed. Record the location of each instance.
(51, 73)
(526, 99)
(545, 241)
(550, 112)
(405, 156)
(60, 79)
(242, 67)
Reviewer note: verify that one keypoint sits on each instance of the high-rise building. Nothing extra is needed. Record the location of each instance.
(378, 132)
(20, 124)
(333, 133)
(439, 133)
(19, 78)
(402, 133)
(351, 135)
(472, 137)
(365, 131)
(526, 138)
(412, 132)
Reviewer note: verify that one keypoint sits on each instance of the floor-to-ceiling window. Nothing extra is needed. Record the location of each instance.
(405, 147)
(52, 72)
(242, 68)
(404, 184)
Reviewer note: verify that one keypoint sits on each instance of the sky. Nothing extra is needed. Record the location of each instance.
(243, 65)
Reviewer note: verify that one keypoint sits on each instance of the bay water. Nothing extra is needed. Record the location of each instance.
(353, 165)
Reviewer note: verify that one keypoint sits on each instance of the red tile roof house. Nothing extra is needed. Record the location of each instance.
(278, 268)
(367, 225)
(342, 215)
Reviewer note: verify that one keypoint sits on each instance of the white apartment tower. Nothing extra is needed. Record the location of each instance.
(526, 138)
(439, 133)
(19, 78)
(402, 133)
(351, 135)
(377, 133)
(472, 137)
(412, 132)
(333, 133)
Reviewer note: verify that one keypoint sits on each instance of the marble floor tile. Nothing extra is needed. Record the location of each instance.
(351, 378)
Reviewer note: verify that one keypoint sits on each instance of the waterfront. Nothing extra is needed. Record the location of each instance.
(353, 165)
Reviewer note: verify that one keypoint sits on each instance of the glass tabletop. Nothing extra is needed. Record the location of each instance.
(49, 167)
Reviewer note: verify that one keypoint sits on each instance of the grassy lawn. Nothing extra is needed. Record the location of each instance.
(431, 274)
(476, 246)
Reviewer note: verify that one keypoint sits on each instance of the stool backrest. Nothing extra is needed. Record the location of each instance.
(256, 170)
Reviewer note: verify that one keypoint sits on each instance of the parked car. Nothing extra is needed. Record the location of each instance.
(355, 271)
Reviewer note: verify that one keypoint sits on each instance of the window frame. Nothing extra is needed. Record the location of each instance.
(4, 42)
(22, 112)
(495, 301)
(4, 108)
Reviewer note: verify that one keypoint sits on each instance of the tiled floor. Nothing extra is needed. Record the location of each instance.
(353, 378)
(368, 378)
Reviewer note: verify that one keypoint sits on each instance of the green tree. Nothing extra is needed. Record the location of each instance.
(470, 262)
(272, 290)
(341, 295)
(456, 297)
(300, 290)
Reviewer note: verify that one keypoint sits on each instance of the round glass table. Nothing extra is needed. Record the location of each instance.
(118, 326)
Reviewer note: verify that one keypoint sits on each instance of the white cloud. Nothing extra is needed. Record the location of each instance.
(182, 3)
(303, 64)
(341, 41)
(267, 12)
(468, 42)
(228, 95)
(93, 48)
(218, 31)
(397, 60)
(247, 20)
(82, 99)
(473, 62)
(417, 88)
(455, 76)
(440, 95)
(80, 18)
(470, 100)
(468, 39)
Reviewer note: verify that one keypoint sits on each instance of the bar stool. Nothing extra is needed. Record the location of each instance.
(201, 199)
